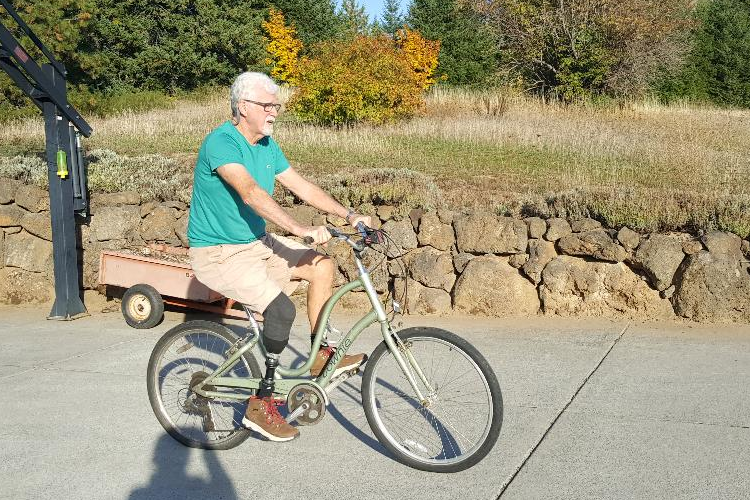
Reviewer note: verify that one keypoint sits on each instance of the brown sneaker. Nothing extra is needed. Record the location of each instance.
(347, 363)
(263, 417)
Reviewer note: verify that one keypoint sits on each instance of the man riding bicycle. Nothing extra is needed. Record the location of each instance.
(230, 251)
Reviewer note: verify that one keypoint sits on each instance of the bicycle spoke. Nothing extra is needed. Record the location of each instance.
(188, 413)
(454, 420)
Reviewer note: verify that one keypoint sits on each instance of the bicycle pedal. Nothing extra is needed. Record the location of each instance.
(208, 424)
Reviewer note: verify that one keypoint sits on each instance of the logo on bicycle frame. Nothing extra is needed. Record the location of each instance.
(333, 363)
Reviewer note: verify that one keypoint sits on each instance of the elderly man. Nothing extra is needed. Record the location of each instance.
(231, 252)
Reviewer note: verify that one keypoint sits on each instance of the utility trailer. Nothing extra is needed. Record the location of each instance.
(151, 281)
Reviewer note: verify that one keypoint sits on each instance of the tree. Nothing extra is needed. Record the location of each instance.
(420, 53)
(363, 79)
(59, 25)
(391, 21)
(171, 44)
(353, 18)
(314, 20)
(468, 53)
(579, 48)
(716, 68)
(283, 47)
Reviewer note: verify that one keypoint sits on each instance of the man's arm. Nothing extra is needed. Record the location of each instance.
(313, 195)
(310, 193)
(263, 204)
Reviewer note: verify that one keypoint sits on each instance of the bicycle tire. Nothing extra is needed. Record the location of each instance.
(189, 363)
(385, 386)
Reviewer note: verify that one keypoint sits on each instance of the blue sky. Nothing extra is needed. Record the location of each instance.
(374, 8)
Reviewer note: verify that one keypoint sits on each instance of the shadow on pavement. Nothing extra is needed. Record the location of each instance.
(351, 391)
(171, 480)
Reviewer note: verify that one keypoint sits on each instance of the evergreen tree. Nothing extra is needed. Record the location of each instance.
(314, 20)
(468, 53)
(391, 21)
(59, 25)
(171, 45)
(353, 18)
(719, 62)
(715, 69)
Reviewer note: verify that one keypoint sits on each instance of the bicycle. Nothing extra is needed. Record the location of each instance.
(429, 396)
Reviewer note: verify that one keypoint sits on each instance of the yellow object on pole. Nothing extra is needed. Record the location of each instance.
(62, 164)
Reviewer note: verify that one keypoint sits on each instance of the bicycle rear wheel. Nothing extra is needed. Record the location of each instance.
(460, 420)
(184, 356)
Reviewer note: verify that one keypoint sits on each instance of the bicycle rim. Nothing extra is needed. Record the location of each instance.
(192, 419)
(458, 416)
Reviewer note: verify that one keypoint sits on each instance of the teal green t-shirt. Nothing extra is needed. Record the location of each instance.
(217, 213)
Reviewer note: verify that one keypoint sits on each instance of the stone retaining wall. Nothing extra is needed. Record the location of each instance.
(476, 263)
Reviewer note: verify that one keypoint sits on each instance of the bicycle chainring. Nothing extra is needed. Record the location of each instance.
(313, 396)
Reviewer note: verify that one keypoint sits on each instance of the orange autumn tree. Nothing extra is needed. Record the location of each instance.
(420, 53)
(372, 79)
(283, 47)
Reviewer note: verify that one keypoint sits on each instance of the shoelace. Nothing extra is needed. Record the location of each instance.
(272, 411)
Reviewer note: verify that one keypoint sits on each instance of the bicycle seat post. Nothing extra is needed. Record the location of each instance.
(254, 325)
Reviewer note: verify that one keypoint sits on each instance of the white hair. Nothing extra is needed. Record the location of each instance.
(244, 84)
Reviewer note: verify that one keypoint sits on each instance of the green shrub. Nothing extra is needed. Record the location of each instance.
(155, 177)
(403, 188)
(107, 104)
(27, 169)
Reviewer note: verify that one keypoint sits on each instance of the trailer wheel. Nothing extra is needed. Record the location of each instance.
(142, 306)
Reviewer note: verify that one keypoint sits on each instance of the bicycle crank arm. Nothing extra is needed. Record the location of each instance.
(296, 413)
(341, 378)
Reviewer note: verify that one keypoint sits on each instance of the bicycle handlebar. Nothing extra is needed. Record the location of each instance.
(359, 246)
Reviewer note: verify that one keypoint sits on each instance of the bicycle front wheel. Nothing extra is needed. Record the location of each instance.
(460, 419)
(186, 355)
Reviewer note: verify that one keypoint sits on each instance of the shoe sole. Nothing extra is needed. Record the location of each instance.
(255, 427)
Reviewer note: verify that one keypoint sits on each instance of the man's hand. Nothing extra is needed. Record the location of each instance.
(356, 218)
(319, 234)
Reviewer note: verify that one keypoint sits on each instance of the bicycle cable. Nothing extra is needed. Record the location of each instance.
(388, 244)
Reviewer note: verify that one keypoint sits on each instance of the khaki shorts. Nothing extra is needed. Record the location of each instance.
(251, 273)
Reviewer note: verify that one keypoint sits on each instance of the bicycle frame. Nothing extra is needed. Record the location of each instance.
(290, 376)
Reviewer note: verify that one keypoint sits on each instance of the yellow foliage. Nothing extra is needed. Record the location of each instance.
(365, 79)
(283, 47)
(421, 54)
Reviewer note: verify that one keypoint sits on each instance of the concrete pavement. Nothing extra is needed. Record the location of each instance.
(593, 409)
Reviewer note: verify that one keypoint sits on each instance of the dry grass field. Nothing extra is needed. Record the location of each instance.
(638, 164)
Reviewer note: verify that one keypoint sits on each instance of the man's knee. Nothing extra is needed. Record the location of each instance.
(278, 318)
(324, 267)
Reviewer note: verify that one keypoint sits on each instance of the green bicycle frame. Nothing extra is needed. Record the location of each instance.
(290, 376)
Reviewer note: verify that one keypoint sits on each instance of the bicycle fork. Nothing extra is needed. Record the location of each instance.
(397, 348)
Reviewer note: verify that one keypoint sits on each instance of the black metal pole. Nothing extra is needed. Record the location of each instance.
(67, 292)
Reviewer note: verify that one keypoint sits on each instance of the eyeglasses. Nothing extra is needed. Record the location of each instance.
(267, 106)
